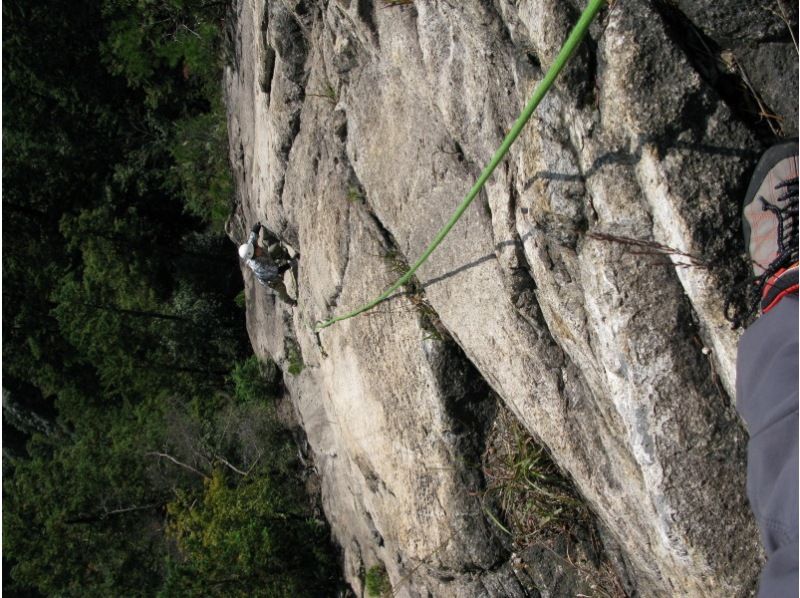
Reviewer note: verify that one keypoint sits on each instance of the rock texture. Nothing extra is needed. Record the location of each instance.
(357, 126)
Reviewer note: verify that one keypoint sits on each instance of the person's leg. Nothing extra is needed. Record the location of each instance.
(277, 252)
(279, 287)
(766, 389)
(767, 364)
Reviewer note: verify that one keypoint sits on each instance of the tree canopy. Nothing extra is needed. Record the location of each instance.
(136, 419)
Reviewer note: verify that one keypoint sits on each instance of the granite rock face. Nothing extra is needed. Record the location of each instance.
(585, 286)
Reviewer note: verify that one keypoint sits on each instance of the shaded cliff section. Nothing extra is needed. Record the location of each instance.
(584, 288)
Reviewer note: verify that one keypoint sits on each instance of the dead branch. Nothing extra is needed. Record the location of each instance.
(178, 463)
(224, 461)
(781, 14)
(773, 121)
(645, 247)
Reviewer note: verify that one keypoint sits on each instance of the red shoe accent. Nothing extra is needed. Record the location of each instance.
(771, 282)
(790, 291)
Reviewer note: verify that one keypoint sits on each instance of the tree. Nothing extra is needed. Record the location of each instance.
(81, 516)
(124, 387)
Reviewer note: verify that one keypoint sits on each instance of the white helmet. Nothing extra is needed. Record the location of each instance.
(246, 251)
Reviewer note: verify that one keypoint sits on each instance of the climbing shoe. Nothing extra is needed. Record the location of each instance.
(769, 220)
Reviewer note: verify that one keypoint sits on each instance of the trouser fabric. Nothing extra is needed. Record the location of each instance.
(766, 395)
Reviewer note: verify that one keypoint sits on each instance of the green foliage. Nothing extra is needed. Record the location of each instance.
(329, 93)
(255, 381)
(200, 152)
(80, 512)
(148, 41)
(172, 49)
(97, 178)
(240, 300)
(355, 195)
(249, 530)
(377, 581)
(536, 499)
(125, 357)
(246, 538)
(295, 358)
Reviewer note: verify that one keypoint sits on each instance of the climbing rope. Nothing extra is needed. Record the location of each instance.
(541, 90)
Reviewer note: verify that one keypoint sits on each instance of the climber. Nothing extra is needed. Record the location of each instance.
(268, 264)
(767, 365)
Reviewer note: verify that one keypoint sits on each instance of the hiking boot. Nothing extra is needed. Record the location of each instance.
(770, 225)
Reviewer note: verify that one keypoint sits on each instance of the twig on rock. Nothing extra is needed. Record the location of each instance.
(652, 248)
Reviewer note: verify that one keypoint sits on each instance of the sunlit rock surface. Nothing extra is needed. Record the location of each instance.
(584, 286)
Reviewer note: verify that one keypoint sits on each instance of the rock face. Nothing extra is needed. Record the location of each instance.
(585, 286)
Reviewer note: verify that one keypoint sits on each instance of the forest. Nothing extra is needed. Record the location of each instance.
(142, 453)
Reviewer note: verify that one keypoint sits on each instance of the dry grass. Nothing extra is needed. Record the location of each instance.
(521, 479)
(329, 94)
(394, 3)
(652, 249)
(540, 507)
(777, 8)
(773, 121)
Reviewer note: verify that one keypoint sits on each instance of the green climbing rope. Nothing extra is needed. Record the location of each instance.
(541, 90)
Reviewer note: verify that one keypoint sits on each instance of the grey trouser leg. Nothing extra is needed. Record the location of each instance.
(766, 391)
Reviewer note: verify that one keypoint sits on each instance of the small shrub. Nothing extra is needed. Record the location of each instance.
(377, 581)
(201, 168)
(329, 93)
(395, 262)
(247, 537)
(255, 381)
(295, 358)
(240, 300)
(536, 499)
(354, 195)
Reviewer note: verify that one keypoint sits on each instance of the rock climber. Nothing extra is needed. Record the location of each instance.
(268, 265)
(767, 365)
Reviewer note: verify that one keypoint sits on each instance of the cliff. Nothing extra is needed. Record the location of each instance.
(583, 290)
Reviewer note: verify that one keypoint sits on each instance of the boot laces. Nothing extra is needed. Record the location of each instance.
(787, 250)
